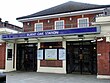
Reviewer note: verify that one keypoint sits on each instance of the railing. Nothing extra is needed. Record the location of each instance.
(66, 26)
(10, 26)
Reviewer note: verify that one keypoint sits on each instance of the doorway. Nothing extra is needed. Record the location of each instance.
(81, 57)
(27, 57)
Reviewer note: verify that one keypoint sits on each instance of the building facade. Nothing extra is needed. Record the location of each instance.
(6, 28)
(67, 38)
(103, 47)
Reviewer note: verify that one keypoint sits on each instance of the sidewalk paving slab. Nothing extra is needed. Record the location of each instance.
(34, 77)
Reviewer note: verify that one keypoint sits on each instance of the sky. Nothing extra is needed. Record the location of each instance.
(12, 9)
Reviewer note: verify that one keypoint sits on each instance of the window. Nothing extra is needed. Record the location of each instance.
(83, 22)
(38, 26)
(59, 24)
(9, 54)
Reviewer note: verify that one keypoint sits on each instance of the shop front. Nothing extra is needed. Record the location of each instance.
(56, 51)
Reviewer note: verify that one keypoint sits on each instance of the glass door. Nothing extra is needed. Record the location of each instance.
(81, 57)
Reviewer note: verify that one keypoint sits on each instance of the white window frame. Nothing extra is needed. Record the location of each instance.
(83, 19)
(35, 27)
(59, 21)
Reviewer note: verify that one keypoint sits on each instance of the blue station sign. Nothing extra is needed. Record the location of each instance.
(73, 31)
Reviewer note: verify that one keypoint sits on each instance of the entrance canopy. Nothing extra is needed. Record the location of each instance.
(51, 33)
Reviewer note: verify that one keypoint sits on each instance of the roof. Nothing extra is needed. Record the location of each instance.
(70, 6)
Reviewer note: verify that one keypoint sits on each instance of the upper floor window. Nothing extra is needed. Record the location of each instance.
(83, 22)
(59, 24)
(38, 26)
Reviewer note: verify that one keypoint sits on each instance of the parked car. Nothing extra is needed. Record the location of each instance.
(2, 77)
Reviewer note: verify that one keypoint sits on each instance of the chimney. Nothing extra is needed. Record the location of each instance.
(6, 22)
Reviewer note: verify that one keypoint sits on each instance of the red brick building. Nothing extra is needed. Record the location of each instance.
(63, 39)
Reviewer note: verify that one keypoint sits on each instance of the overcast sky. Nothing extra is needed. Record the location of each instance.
(11, 9)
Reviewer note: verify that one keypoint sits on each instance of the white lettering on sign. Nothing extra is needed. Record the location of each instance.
(51, 33)
(40, 34)
(31, 34)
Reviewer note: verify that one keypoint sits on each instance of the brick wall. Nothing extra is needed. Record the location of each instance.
(51, 63)
(29, 26)
(2, 55)
(103, 49)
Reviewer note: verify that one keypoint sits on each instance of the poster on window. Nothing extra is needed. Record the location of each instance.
(62, 54)
(40, 54)
(51, 54)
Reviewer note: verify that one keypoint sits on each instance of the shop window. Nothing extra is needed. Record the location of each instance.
(83, 22)
(49, 56)
(9, 54)
(38, 26)
(51, 45)
(59, 24)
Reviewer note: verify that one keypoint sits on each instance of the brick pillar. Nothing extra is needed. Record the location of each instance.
(2, 55)
(103, 50)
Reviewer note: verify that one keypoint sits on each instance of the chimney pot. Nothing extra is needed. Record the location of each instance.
(6, 21)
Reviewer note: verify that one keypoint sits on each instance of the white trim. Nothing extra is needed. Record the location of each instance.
(15, 55)
(82, 19)
(9, 63)
(62, 15)
(59, 21)
(38, 23)
(7, 30)
(100, 23)
(52, 70)
(103, 76)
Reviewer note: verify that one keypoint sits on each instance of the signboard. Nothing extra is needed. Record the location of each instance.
(50, 54)
(74, 31)
(62, 54)
(40, 54)
(9, 54)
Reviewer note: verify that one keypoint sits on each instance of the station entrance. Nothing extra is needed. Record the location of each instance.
(81, 57)
(26, 57)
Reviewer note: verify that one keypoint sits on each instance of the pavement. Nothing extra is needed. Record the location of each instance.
(34, 77)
